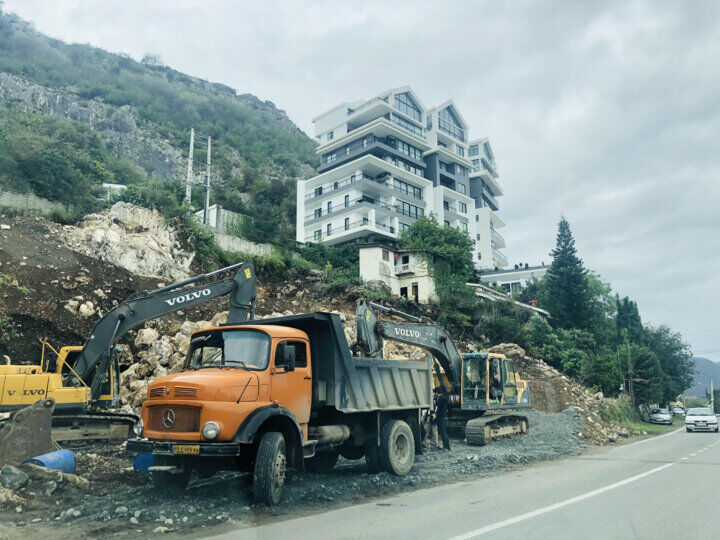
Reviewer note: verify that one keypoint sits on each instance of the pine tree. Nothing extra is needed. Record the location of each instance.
(628, 318)
(567, 292)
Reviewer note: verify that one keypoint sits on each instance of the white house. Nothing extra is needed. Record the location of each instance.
(403, 271)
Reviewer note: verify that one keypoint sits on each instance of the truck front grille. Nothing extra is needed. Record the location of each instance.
(174, 418)
(185, 391)
(158, 391)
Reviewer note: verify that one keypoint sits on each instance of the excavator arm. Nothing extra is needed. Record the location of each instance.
(96, 356)
(427, 336)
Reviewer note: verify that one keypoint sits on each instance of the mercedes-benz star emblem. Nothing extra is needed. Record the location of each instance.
(169, 418)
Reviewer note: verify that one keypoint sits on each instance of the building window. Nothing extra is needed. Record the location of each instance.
(385, 255)
(459, 169)
(403, 292)
(329, 229)
(347, 224)
(318, 234)
(462, 207)
(459, 150)
(477, 217)
(415, 292)
(347, 201)
(318, 212)
(336, 185)
(473, 150)
(461, 188)
(449, 123)
(407, 149)
(446, 223)
(515, 287)
(329, 207)
(404, 187)
(405, 104)
(410, 210)
(403, 226)
(318, 191)
(477, 237)
(479, 255)
(463, 226)
(475, 165)
(331, 135)
(446, 205)
(405, 124)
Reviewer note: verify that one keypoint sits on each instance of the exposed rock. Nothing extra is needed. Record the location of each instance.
(145, 336)
(13, 478)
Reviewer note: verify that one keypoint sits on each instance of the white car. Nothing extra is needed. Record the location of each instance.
(661, 416)
(678, 411)
(701, 419)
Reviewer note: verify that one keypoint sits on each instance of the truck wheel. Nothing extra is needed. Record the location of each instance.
(372, 459)
(167, 481)
(270, 465)
(397, 447)
(352, 452)
(322, 461)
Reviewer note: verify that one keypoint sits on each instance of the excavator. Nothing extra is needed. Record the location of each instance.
(476, 383)
(77, 383)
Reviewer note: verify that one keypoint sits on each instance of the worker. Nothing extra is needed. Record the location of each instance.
(430, 436)
(440, 415)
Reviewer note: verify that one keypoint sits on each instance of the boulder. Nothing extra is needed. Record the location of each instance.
(146, 336)
(13, 478)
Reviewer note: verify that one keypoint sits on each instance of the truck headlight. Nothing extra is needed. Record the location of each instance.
(138, 428)
(210, 430)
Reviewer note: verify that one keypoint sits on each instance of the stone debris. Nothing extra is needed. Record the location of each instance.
(134, 238)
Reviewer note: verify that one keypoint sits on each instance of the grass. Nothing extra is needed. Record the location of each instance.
(655, 429)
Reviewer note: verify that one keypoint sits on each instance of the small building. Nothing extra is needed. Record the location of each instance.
(405, 272)
(513, 280)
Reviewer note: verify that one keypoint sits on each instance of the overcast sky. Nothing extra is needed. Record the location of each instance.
(606, 112)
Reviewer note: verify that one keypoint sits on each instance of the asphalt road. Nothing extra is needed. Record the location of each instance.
(662, 487)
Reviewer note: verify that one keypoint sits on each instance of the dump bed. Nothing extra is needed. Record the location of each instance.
(351, 384)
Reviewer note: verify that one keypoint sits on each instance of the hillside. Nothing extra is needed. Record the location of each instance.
(128, 122)
(705, 371)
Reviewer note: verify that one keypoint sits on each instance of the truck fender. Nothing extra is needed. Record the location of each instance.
(286, 423)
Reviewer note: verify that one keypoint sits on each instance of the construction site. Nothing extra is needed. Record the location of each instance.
(117, 301)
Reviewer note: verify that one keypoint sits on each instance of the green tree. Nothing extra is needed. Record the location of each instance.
(628, 318)
(675, 359)
(647, 374)
(566, 292)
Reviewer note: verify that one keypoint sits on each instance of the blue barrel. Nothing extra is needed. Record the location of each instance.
(60, 460)
(143, 462)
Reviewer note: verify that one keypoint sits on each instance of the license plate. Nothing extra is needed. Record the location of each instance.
(186, 449)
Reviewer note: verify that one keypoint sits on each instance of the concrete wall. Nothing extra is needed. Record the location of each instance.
(233, 243)
(373, 267)
(28, 201)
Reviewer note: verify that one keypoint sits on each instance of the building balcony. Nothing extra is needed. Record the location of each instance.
(500, 259)
(497, 237)
(363, 202)
(367, 145)
(357, 229)
(401, 269)
(490, 181)
(452, 130)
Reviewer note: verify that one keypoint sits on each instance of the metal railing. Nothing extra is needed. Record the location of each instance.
(451, 129)
(368, 104)
(365, 222)
(336, 184)
(500, 236)
(404, 268)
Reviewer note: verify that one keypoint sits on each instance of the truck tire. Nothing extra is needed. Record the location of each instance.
(174, 483)
(270, 465)
(397, 447)
(372, 459)
(322, 461)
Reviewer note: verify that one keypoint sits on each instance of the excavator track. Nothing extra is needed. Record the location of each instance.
(482, 430)
(78, 429)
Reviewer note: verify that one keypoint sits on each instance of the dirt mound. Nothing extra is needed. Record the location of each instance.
(552, 392)
(133, 238)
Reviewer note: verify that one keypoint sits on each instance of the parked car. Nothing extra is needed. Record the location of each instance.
(701, 419)
(678, 411)
(661, 416)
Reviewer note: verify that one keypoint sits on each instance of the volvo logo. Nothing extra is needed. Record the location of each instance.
(406, 332)
(169, 418)
(188, 297)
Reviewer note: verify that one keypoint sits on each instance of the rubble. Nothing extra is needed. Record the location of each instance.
(133, 238)
(551, 391)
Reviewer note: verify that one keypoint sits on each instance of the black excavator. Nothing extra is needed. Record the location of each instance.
(76, 384)
(476, 383)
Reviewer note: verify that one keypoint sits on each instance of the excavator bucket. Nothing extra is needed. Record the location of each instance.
(27, 433)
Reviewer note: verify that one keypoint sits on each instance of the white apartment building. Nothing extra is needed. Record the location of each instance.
(514, 280)
(389, 160)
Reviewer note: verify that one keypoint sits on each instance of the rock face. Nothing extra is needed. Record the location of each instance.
(116, 125)
(133, 238)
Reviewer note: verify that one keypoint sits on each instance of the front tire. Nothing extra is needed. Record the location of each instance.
(397, 447)
(270, 468)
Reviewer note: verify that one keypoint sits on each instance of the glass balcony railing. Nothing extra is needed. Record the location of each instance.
(368, 104)
(451, 129)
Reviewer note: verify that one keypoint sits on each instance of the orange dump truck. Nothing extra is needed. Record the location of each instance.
(281, 394)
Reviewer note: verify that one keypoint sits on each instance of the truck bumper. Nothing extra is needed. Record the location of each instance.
(181, 448)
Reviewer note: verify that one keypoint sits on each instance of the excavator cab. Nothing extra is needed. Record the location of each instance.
(490, 380)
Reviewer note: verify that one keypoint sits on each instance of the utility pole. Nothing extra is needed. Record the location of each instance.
(207, 183)
(188, 181)
(712, 396)
(631, 388)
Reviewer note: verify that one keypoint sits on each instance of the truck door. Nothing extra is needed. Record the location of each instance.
(293, 389)
(510, 392)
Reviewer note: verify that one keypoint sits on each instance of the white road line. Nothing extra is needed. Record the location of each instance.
(556, 506)
(684, 458)
(655, 438)
(693, 454)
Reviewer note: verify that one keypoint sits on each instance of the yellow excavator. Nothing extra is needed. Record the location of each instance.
(83, 381)
(477, 383)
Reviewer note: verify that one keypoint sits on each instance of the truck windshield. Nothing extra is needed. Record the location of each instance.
(249, 349)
